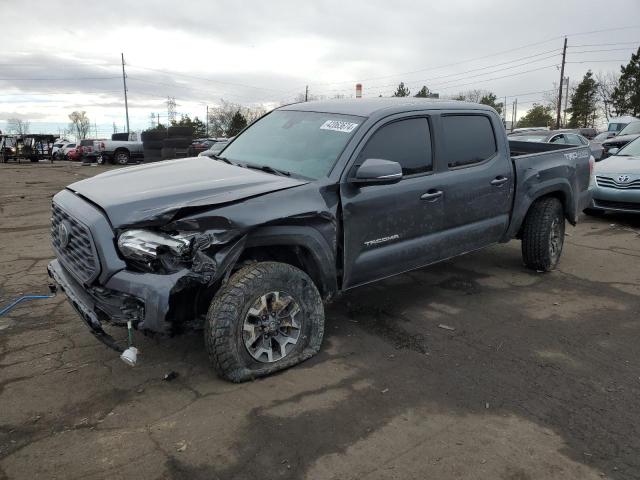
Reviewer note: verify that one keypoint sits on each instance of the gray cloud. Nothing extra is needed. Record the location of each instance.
(355, 40)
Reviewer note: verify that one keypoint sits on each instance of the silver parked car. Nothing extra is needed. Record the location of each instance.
(568, 137)
(617, 181)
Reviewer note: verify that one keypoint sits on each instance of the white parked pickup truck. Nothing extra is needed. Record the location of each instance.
(118, 151)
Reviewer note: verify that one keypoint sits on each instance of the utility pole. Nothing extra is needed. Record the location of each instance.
(514, 113)
(306, 94)
(207, 122)
(124, 82)
(504, 112)
(566, 101)
(564, 57)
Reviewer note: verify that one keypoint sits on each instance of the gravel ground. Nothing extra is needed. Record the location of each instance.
(536, 376)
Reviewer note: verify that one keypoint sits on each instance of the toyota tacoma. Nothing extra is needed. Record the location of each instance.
(312, 200)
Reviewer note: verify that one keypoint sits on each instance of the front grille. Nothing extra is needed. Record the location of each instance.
(613, 183)
(79, 256)
(618, 205)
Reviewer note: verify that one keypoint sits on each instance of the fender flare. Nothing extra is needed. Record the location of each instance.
(308, 238)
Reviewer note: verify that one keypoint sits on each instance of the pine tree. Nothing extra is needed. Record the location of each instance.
(538, 116)
(402, 91)
(626, 96)
(423, 93)
(490, 100)
(238, 123)
(584, 102)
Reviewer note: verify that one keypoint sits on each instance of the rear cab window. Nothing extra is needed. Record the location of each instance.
(467, 139)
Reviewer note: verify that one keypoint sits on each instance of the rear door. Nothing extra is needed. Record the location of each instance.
(478, 181)
(390, 229)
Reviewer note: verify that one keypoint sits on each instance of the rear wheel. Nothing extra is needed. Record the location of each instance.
(268, 317)
(543, 235)
(121, 157)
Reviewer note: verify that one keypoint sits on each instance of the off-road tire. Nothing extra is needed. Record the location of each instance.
(223, 331)
(543, 234)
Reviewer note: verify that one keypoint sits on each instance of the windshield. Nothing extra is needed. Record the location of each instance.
(630, 149)
(534, 137)
(616, 127)
(303, 143)
(631, 129)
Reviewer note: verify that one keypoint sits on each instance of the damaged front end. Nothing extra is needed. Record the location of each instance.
(155, 280)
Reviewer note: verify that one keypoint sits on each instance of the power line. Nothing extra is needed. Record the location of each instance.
(602, 61)
(605, 50)
(484, 56)
(429, 80)
(60, 78)
(604, 44)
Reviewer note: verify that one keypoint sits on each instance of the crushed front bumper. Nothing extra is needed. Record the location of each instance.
(144, 299)
(82, 302)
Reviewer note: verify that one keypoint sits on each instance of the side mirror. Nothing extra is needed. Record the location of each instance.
(613, 151)
(377, 171)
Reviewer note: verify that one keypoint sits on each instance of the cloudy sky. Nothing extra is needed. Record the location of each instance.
(67, 56)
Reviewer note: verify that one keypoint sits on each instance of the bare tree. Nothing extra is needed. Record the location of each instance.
(18, 126)
(607, 82)
(80, 124)
(220, 117)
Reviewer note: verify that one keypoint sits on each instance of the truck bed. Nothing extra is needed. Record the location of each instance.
(539, 167)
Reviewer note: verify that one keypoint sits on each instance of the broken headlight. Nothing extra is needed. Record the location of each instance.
(147, 246)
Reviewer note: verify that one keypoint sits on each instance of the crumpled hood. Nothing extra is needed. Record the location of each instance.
(150, 193)
(619, 165)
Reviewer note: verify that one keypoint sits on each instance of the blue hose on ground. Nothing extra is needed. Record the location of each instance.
(9, 307)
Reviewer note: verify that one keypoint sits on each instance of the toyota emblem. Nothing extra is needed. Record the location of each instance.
(623, 178)
(63, 234)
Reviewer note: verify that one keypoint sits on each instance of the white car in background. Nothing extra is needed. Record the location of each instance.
(65, 149)
(57, 146)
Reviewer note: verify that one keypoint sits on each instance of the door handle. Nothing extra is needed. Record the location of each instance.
(431, 195)
(499, 181)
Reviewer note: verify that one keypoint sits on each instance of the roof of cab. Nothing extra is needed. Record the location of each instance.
(367, 107)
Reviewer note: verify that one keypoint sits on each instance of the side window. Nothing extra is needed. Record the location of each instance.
(468, 139)
(574, 139)
(407, 142)
(558, 139)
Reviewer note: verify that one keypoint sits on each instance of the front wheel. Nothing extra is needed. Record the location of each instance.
(268, 317)
(543, 235)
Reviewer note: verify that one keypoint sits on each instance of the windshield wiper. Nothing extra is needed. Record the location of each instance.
(223, 159)
(268, 169)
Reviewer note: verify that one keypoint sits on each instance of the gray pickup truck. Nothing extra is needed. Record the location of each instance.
(118, 152)
(310, 201)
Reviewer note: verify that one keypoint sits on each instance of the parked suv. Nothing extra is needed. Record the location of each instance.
(311, 200)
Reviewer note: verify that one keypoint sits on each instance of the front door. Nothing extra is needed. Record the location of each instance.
(388, 228)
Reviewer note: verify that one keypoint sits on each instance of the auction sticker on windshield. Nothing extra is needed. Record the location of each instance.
(339, 126)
